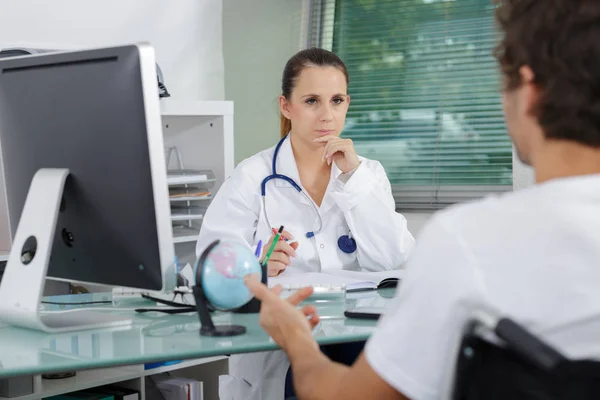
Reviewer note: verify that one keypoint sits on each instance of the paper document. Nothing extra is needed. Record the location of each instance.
(188, 192)
(368, 276)
(292, 279)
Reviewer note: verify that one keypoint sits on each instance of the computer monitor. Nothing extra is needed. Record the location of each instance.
(85, 179)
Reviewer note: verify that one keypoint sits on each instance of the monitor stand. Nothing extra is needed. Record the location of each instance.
(25, 274)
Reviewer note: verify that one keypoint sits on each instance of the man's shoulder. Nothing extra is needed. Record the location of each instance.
(471, 209)
(489, 214)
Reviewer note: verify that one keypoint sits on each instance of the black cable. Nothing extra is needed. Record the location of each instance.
(166, 302)
(180, 310)
(76, 303)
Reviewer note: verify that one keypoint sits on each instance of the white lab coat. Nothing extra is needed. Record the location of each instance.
(361, 205)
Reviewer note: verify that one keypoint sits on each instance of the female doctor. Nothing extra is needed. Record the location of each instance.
(336, 206)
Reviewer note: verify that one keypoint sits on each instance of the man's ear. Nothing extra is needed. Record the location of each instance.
(530, 91)
(284, 106)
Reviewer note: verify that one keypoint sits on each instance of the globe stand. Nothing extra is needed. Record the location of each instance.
(253, 306)
(207, 327)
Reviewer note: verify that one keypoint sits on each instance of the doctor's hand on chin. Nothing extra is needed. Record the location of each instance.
(280, 318)
(340, 151)
(282, 253)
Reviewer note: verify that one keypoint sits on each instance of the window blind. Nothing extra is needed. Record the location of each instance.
(425, 94)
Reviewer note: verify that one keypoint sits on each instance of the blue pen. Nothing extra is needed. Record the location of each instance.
(258, 249)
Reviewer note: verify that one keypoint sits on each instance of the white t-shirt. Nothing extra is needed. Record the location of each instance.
(532, 255)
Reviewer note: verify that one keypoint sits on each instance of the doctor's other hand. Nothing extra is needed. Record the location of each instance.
(280, 318)
(338, 150)
(282, 253)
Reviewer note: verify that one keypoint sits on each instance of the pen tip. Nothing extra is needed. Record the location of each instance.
(281, 229)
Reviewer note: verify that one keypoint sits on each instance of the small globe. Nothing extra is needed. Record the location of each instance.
(222, 275)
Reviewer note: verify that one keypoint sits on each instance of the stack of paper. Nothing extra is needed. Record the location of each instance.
(187, 176)
(189, 192)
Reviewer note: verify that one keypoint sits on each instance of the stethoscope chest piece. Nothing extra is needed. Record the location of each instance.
(347, 244)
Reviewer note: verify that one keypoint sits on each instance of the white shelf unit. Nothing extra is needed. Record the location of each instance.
(131, 376)
(202, 131)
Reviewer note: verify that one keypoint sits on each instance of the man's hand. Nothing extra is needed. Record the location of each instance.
(280, 318)
(315, 376)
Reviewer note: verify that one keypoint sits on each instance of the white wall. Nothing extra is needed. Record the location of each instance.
(187, 34)
(259, 36)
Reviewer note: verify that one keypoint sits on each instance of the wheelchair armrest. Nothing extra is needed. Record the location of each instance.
(527, 345)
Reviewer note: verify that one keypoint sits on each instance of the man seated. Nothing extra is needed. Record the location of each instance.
(533, 255)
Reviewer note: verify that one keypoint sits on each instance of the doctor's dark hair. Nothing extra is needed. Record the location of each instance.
(560, 41)
(313, 57)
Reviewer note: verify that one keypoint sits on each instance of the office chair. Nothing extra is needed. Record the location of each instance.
(522, 367)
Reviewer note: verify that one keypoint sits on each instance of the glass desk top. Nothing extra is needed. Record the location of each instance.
(161, 337)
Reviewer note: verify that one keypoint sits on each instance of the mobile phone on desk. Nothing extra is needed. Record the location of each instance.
(364, 312)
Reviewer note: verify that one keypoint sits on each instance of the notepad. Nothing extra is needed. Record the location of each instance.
(332, 281)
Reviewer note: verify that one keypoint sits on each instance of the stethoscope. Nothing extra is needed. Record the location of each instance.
(346, 243)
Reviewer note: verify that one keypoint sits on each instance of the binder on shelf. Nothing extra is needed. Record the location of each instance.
(180, 389)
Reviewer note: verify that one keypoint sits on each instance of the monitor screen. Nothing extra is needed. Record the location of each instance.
(91, 112)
